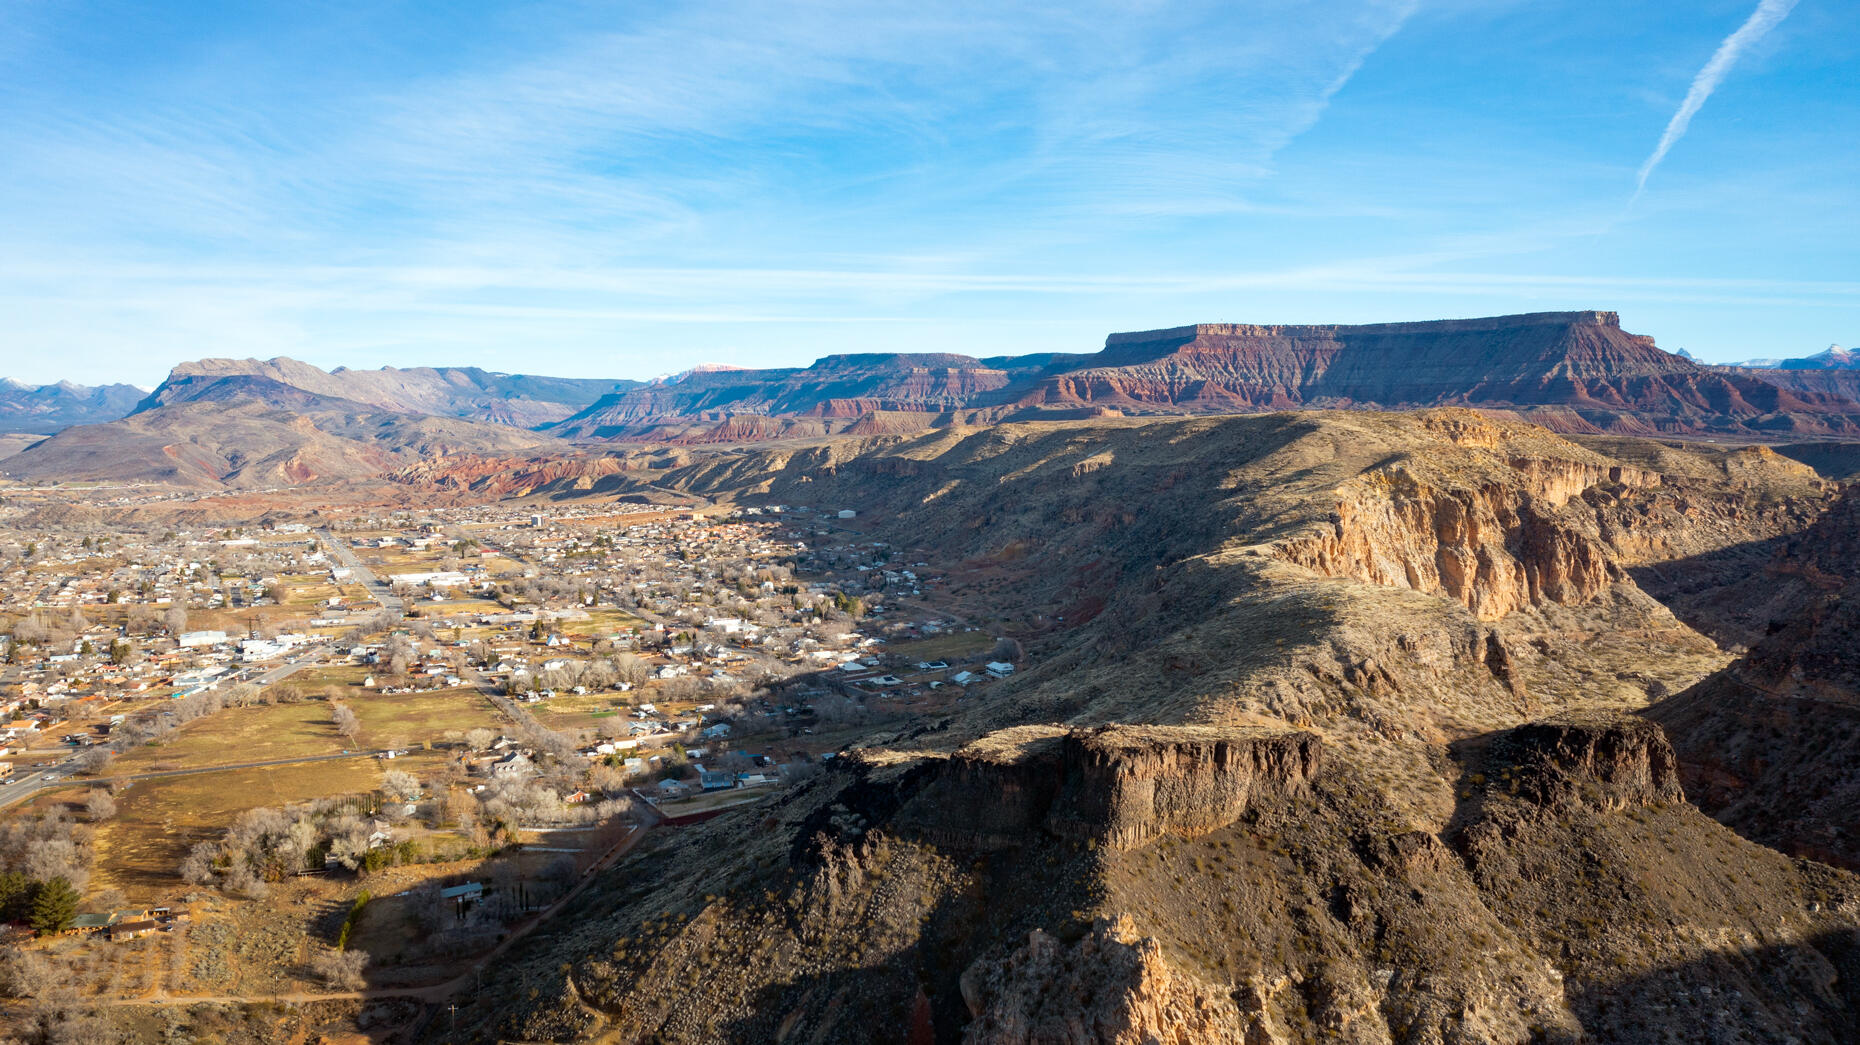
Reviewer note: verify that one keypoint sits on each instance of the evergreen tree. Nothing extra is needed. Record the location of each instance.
(16, 891)
(54, 906)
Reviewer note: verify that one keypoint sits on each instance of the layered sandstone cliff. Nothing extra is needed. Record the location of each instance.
(1576, 372)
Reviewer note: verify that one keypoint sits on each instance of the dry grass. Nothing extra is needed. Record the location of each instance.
(414, 717)
(157, 821)
(250, 734)
(955, 647)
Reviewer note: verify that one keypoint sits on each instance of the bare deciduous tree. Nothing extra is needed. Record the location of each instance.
(402, 787)
(348, 723)
(339, 968)
(100, 805)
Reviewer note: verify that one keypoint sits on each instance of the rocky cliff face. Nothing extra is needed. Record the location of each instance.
(1494, 549)
(1575, 372)
(1125, 786)
(1576, 898)
(1571, 371)
(1116, 786)
(1771, 744)
(1599, 761)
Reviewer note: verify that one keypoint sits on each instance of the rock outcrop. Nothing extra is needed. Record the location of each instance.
(1493, 548)
(1610, 762)
(1125, 786)
(1771, 743)
(1112, 987)
(1115, 786)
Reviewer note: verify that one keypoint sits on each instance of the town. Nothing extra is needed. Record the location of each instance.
(430, 725)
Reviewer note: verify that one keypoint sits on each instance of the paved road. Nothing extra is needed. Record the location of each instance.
(381, 590)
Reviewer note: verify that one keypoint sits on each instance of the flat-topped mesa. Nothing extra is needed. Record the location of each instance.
(1600, 761)
(1127, 785)
(1319, 330)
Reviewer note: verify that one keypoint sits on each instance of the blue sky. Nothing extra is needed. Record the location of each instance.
(622, 190)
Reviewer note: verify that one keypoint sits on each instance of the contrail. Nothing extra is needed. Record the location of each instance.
(1761, 21)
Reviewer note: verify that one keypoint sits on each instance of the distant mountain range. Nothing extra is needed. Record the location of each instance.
(1834, 357)
(247, 422)
(1574, 372)
(519, 400)
(45, 409)
(1834, 372)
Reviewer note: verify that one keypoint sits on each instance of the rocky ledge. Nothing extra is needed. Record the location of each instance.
(1603, 761)
(1118, 786)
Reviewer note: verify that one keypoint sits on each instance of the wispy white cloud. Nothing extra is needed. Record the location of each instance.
(604, 180)
(1766, 17)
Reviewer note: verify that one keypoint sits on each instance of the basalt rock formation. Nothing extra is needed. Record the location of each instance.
(1116, 786)
(1600, 761)
(1601, 908)
(1126, 786)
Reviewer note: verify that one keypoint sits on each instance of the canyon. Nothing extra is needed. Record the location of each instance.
(1337, 725)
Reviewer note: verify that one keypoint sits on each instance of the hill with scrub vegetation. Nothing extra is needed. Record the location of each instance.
(1333, 726)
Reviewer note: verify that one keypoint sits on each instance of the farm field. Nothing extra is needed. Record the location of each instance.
(157, 821)
(592, 711)
(955, 647)
(407, 719)
(248, 734)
